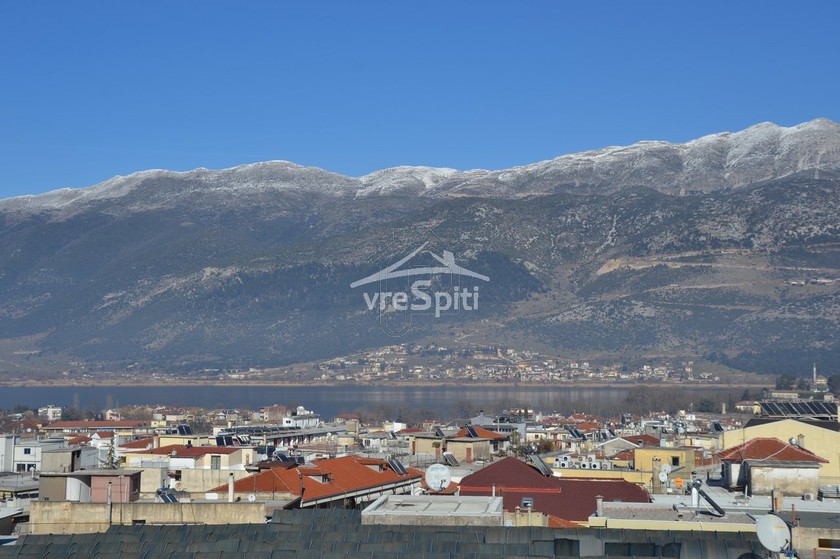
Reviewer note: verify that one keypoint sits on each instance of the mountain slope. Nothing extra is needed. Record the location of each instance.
(678, 249)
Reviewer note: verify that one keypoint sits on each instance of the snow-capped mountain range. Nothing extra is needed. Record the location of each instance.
(725, 247)
(715, 162)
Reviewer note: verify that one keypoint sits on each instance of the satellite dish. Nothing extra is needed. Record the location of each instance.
(329, 435)
(697, 484)
(263, 457)
(252, 498)
(666, 468)
(773, 533)
(663, 477)
(794, 441)
(437, 477)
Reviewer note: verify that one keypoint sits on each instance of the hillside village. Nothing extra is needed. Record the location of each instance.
(586, 479)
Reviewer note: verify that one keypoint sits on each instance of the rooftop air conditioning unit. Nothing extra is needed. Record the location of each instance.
(808, 497)
(606, 465)
(584, 465)
(595, 466)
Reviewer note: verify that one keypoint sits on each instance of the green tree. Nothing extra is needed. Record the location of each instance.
(784, 382)
(834, 384)
(803, 384)
(706, 405)
(111, 460)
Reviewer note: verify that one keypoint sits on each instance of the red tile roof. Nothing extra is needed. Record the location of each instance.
(78, 439)
(587, 426)
(768, 448)
(507, 472)
(105, 434)
(141, 444)
(624, 455)
(642, 440)
(339, 476)
(482, 433)
(567, 498)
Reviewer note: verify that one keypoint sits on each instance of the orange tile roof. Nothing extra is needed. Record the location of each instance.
(340, 476)
(105, 434)
(557, 522)
(769, 448)
(78, 439)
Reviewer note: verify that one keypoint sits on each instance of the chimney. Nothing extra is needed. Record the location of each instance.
(800, 440)
(599, 506)
(230, 488)
(777, 501)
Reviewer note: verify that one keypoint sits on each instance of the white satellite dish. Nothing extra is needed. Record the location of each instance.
(773, 533)
(252, 498)
(666, 469)
(663, 477)
(437, 477)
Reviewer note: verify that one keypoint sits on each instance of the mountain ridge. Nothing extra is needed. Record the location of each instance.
(712, 162)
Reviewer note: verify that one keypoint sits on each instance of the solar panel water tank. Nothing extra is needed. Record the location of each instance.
(450, 459)
(542, 466)
(184, 429)
(397, 467)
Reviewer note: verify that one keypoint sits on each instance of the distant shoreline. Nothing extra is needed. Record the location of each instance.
(400, 384)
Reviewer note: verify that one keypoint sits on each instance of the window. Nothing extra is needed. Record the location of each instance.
(675, 460)
(27, 451)
(215, 462)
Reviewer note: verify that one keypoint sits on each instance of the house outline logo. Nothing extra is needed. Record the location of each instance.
(392, 271)
(417, 292)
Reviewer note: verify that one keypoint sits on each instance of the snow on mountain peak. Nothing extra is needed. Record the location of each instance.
(723, 160)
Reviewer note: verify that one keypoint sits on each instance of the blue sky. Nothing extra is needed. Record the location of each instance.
(95, 89)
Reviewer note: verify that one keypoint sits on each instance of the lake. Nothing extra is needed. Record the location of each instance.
(328, 401)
